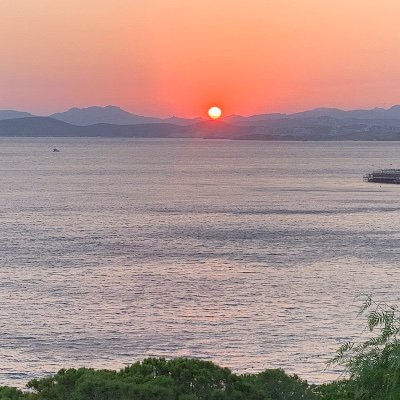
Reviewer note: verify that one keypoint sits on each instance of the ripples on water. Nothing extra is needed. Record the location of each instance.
(249, 254)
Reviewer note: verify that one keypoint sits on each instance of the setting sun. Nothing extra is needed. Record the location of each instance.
(214, 112)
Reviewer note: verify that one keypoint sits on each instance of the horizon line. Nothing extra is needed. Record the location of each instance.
(205, 114)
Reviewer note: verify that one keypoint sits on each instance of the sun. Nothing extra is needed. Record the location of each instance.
(214, 112)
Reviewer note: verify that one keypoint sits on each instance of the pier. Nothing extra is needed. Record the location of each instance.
(383, 176)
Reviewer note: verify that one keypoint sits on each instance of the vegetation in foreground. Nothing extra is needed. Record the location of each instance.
(373, 367)
(160, 379)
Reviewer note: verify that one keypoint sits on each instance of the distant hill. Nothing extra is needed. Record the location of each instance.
(11, 114)
(182, 121)
(218, 130)
(322, 128)
(239, 119)
(113, 115)
(265, 119)
(317, 124)
(375, 113)
(117, 116)
(36, 127)
(96, 115)
(50, 127)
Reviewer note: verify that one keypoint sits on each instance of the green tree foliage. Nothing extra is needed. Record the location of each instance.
(160, 379)
(338, 390)
(374, 365)
(9, 393)
(275, 384)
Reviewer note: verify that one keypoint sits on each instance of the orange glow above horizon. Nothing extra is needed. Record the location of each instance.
(175, 57)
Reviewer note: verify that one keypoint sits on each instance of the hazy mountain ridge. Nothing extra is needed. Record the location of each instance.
(322, 128)
(11, 114)
(317, 124)
(117, 116)
(113, 115)
(336, 113)
(95, 115)
(51, 127)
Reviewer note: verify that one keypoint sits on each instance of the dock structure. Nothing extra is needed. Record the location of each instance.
(383, 176)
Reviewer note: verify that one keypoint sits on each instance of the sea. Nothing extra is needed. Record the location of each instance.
(251, 254)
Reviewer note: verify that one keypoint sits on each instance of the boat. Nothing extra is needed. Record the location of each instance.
(56, 150)
(383, 176)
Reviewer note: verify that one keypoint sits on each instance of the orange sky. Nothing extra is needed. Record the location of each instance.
(177, 57)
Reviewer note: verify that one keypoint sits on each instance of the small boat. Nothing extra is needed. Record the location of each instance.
(56, 150)
(383, 176)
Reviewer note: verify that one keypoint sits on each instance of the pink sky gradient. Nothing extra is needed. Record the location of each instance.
(178, 57)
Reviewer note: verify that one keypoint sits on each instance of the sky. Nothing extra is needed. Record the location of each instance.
(179, 57)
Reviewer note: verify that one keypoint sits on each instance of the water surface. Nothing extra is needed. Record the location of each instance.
(249, 254)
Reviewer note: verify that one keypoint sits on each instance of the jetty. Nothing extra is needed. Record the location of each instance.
(383, 176)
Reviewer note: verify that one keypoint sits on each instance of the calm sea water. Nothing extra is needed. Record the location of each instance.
(249, 254)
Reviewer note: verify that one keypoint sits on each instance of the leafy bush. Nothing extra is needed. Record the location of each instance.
(338, 390)
(9, 393)
(160, 379)
(275, 384)
(374, 365)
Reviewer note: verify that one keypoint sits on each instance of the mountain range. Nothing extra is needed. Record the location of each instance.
(112, 121)
(113, 115)
(118, 116)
